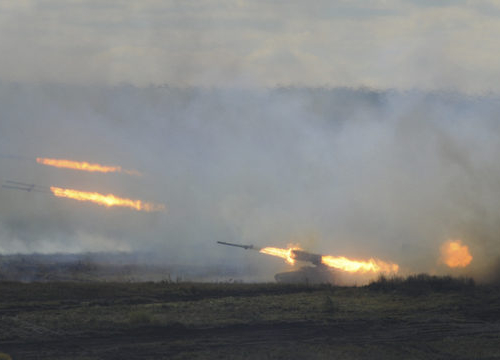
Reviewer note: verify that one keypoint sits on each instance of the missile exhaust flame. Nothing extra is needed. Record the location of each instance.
(84, 166)
(358, 266)
(108, 200)
(338, 262)
(286, 254)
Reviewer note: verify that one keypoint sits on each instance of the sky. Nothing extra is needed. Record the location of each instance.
(380, 44)
(355, 128)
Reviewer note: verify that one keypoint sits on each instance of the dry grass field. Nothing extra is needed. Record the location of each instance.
(420, 317)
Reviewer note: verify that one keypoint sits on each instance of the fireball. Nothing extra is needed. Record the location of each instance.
(454, 254)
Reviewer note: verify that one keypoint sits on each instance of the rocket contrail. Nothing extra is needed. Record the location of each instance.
(74, 165)
(84, 166)
(108, 200)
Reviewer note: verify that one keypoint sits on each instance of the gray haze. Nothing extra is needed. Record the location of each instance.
(383, 44)
(358, 173)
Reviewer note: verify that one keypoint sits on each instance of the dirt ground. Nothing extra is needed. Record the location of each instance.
(246, 321)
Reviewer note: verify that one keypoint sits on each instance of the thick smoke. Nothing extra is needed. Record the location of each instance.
(347, 172)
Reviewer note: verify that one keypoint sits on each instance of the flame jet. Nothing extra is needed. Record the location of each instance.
(106, 200)
(84, 166)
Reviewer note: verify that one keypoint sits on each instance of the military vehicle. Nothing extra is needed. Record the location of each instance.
(316, 274)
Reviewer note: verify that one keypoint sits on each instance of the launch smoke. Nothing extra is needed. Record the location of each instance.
(388, 175)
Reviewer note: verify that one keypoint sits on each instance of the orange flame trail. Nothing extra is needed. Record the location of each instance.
(454, 254)
(106, 200)
(357, 266)
(286, 254)
(83, 166)
(338, 262)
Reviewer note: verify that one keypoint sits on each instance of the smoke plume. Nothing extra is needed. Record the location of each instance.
(350, 172)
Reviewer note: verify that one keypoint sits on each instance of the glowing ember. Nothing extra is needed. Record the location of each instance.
(357, 266)
(106, 200)
(454, 254)
(286, 254)
(83, 165)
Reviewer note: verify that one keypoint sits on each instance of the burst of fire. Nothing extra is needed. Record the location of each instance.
(286, 254)
(338, 262)
(84, 166)
(358, 266)
(454, 254)
(106, 200)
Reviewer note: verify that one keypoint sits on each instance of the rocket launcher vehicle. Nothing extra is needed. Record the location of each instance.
(294, 254)
(317, 274)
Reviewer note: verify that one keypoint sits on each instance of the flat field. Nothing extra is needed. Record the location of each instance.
(419, 319)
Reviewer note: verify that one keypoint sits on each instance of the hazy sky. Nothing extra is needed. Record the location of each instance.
(439, 44)
(283, 120)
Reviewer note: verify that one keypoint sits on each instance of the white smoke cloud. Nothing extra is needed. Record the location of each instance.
(344, 172)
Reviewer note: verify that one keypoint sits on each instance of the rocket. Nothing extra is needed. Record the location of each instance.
(246, 247)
